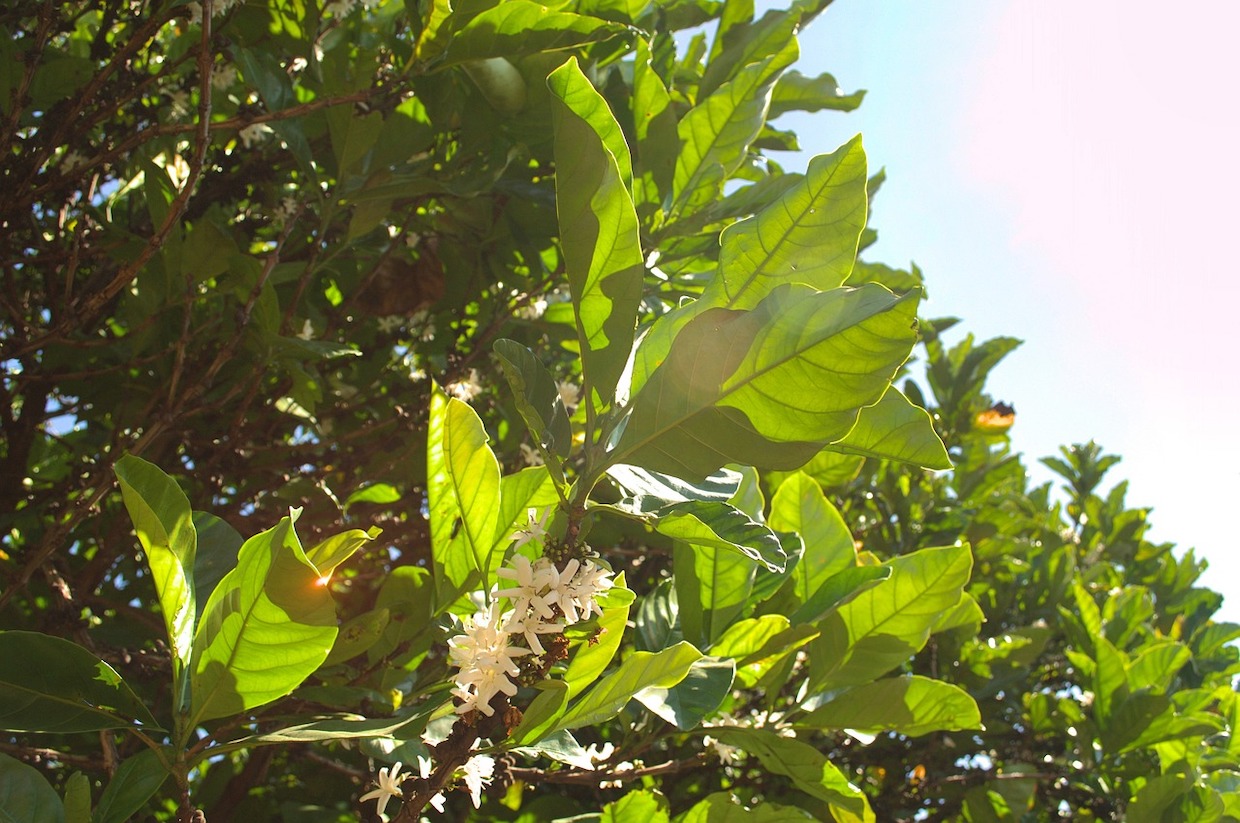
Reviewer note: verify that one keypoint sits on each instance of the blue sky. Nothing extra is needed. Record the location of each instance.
(1064, 173)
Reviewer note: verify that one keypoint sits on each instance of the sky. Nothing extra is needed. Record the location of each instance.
(1064, 173)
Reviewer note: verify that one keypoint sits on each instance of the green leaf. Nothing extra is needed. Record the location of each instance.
(800, 506)
(641, 670)
(136, 781)
(25, 797)
(462, 478)
(883, 626)
(218, 544)
(716, 133)
(52, 685)
(273, 606)
(640, 806)
(164, 523)
(721, 807)
(747, 44)
(332, 551)
(77, 799)
(745, 637)
(647, 492)
(654, 121)
(722, 394)
(358, 635)
(895, 429)
(591, 658)
(796, 92)
(693, 699)
(911, 705)
(517, 27)
(542, 713)
(345, 727)
(720, 526)
(809, 770)
(712, 589)
(809, 235)
(537, 397)
(374, 493)
(839, 589)
(598, 227)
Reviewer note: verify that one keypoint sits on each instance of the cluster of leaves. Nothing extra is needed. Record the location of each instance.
(1106, 687)
(249, 241)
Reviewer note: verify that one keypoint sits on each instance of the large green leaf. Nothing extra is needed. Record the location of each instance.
(647, 492)
(746, 44)
(48, 684)
(267, 626)
(136, 780)
(598, 226)
(720, 526)
(885, 625)
(895, 429)
(517, 27)
(911, 705)
(716, 133)
(759, 644)
(800, 506)
(721, 807)
(593, 656)
(796, 92)
(462, 477)
(25, 796)
(537, 397)
(693, 699)
(654, 122)
(712, 589)
(839, 589)
(640, 806)
(218, 544)
(770, 386)
(642, 670)
(808, 236)
(165, 525)
(809, 770)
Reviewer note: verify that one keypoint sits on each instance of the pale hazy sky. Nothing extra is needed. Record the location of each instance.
(1065, 172)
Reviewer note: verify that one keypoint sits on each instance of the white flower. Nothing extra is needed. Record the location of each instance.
(728, 755)
(340, 8)
(307, 330)
(253, 133)
(467, 389)
(530, 455)
(223, 75)
(389, 787)
(558, 585)
(284, 212)
(600, 754)
(530, 626)
(570, 395)
(526, 595)
(390, 323)
(534, 529)
(591, 581)
(71, 160)
(485, 659)
(178, 101)
(477, 773)
(532, 310)
(424, 769)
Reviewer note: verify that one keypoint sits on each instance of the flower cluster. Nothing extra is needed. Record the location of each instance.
(543, 599)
